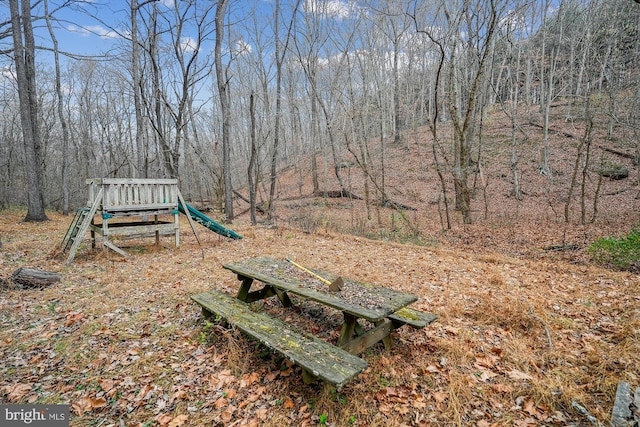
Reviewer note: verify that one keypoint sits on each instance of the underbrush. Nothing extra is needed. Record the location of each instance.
(618, 254)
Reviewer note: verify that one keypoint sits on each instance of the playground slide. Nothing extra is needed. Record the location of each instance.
(205, 221)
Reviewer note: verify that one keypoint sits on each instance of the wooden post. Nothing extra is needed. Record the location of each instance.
(155, 221)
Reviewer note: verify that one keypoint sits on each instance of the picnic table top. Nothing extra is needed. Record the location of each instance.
(363, 300)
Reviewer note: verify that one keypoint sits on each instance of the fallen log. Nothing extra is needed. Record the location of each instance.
(337, 194)
(395, 205)
(618, 152)
(561, 132)
(32, 278)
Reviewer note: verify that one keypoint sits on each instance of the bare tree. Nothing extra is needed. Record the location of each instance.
(251, 170)
(137, 89)
(24, 58)
(480, 25)
(225, 108)
(282, 49)
(61, 115)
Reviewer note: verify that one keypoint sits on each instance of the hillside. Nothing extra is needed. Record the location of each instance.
(524, 227)
(518, 341)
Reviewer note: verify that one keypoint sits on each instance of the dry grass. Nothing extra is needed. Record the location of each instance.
(516, 343)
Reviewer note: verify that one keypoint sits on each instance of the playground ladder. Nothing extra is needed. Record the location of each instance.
(80, 222)
(72, 231)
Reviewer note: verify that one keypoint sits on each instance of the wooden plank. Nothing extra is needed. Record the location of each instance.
(168, 207)
(415, 318)
(130, 228)
(115, 248)
(186, 212)
(321, 359)
(133, 181)
(273, 272)
(369, 338)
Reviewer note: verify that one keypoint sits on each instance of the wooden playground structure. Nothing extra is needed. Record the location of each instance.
(134, 208)
(126, 207)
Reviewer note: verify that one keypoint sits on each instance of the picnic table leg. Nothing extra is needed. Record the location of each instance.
(266, 292)
(243, 293)
(387, 341)
(284, 297)
(348, 327)
(379, 333)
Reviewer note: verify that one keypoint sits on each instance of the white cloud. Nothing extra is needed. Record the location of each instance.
(93, 30)
(338, 9)
(242, 47)
(188, 44)
(7, 73)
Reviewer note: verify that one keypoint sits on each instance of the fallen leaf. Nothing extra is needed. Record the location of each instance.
(106, 384)
(18, 391)
(82, 405)
(518, 375)
(220, 403)
(502, 388)
(98, 402)
(439, 396)
(179, 420)
(530, 407)
(164, 419)
(227, 415)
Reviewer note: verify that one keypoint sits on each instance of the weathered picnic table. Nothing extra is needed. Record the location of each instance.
(386, 309)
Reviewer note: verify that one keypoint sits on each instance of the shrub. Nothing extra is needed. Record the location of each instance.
(619, 254)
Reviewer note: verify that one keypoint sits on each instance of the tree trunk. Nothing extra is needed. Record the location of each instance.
(29, 117)
(223, 91)
(281, 52)
(61, 116)
(137, 87)
(252, 161)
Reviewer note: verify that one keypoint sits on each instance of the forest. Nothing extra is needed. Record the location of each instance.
(225, 96)
(482, 156)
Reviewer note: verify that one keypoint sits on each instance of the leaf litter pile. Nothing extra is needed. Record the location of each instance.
(518, 341)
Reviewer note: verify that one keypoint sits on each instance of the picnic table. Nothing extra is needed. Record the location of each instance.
(384, 308)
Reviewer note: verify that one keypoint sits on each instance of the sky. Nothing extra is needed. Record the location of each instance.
(99, 25)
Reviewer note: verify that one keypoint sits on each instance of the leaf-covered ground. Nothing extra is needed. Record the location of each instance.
(519, 341)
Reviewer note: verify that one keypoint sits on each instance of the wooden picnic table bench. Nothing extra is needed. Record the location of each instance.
(386, 309)
(318, 358)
